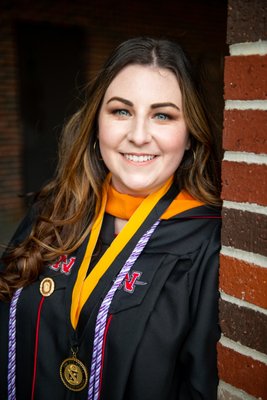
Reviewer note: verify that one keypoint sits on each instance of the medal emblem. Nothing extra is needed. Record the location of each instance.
(47, 287)
(74, 374)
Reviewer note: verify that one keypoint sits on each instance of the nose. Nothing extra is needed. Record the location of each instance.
(139, 133)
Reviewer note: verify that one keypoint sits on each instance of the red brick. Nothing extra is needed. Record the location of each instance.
(245, 77)
(246, 21)
(244, 130)
(243, 280)
(242, 372)
(10, 150)
(244, 182)
(244, 325)
(244, 230)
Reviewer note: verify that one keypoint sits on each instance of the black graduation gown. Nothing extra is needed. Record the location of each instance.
(163, 322)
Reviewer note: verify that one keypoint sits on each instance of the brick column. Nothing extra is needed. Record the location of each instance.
(11, 205)
(242, 351)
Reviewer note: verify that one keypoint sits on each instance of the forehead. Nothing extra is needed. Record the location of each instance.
(135, 80)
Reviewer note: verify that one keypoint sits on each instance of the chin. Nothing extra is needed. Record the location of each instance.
(140, 190)
(136, 187)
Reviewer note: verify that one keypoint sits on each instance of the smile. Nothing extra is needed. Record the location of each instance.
(141, 158)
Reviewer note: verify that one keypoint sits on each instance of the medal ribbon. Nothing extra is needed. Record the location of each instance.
(84, 286)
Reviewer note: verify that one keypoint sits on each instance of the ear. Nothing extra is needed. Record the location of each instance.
(188, 144)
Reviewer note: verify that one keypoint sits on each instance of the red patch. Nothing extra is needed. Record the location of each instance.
(131, 281)
(64, 264)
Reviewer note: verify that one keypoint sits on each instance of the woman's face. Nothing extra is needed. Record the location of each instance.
(142, 131)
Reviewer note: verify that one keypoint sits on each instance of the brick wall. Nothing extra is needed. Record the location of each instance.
(243, 276)
(10, 138)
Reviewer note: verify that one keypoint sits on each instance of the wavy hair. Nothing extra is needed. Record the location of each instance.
(66, 206)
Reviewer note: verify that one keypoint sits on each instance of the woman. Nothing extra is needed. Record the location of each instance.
(109, 290)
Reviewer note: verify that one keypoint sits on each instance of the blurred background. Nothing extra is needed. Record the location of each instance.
(48, 52)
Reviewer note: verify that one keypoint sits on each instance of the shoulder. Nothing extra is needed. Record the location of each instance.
(186, 206)
(191, 213)
(189, 230)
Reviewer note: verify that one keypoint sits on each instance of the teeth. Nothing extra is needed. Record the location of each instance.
(136, 158)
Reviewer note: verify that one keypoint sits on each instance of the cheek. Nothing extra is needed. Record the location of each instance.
(176, 143)
(104, 135)
(109, 134)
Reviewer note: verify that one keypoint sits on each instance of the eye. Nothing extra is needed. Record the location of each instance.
(121, 112)
(162, 116)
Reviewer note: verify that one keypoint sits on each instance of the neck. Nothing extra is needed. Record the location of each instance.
(119, 224)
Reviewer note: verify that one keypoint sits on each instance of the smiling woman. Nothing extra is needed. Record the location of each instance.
(108, 290)
(142, 132)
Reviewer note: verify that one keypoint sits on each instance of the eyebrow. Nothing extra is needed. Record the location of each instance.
(122, 100)
(153, 106)
(159, 105)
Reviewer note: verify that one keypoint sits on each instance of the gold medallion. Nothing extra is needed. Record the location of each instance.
(47, 287)
(73, 374)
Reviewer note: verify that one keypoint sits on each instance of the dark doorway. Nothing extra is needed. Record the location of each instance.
(51, 73)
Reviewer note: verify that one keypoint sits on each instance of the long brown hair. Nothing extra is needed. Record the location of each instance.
(65, 207)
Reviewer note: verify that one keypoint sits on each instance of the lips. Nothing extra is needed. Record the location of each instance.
(139, 158)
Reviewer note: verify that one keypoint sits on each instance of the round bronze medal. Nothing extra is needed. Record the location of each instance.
(47, 287)
(74, 374)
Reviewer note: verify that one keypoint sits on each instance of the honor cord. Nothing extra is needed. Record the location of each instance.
(11, 371)
(94, 384)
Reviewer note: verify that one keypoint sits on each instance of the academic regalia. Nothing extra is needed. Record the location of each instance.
(162, 325)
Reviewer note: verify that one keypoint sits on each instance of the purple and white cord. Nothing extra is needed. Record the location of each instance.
(95, 374)
(11, 370)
